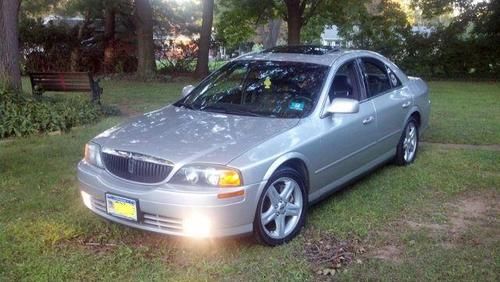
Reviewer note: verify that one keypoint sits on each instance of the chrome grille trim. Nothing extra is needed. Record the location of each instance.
(136, 167)
(98, 204)
(162, 222)
(152, 220)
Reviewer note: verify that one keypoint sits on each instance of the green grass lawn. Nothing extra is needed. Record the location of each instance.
(436, 219)
(465, 113)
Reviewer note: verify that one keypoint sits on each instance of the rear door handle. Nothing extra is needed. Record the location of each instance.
(368, 120)
(406, 104)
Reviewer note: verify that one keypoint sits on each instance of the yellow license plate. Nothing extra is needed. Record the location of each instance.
(121, 207)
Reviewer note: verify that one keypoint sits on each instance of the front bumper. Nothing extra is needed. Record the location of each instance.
(164, 208)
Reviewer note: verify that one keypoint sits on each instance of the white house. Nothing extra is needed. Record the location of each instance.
(331, 37)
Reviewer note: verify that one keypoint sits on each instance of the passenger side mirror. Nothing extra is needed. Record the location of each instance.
(343, 106)
(186, 90)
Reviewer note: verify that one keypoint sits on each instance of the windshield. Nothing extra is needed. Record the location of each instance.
(260, 88)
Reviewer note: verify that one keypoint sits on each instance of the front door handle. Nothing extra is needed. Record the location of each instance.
(368, 120)
(406, 104)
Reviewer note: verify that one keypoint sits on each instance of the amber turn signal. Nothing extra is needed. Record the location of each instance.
(229, 178)
(231, 194)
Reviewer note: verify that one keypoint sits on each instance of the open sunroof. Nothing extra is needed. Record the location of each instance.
(303, 49)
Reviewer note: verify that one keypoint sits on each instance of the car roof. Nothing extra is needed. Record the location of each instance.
(322, 55)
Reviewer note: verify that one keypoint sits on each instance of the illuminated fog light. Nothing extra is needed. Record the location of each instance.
(196, 226)
(86, 199)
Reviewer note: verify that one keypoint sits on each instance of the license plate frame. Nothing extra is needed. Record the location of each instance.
(122, 207)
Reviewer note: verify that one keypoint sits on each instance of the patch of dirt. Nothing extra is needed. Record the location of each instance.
(430, 226)
(390, 253)
(328, 254)
(128, 111)
(476, 213)
(470, 212)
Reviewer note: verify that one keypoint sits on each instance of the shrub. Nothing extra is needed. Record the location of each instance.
(21, 115)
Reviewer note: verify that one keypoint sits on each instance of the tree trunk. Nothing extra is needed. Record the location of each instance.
(205, 35)
(271, 36)
(294, 21)
(109, 37)
(145, 47)
(10, 73)
(76, 52)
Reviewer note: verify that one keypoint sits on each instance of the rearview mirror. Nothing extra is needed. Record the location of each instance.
(186, 90)
(343, 106)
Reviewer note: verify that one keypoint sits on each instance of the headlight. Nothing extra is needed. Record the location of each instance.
(93, 154)
(206, 175)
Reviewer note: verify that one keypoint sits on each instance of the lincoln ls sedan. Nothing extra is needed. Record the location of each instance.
(254, 144)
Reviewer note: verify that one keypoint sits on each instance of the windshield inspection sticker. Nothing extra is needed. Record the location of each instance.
(267, 83)
(298, 106)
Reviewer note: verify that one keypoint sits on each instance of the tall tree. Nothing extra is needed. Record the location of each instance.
(270, 33)
(145, 47)
(109, 36)
(10, 74)
(205, 36)
(298, 13)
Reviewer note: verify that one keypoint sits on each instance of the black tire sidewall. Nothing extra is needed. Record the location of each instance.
(259, 233)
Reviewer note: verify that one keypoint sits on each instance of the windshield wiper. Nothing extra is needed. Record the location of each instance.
(185, 105)
(219, 109)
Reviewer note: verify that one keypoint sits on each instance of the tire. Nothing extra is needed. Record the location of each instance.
(277, 222)
(406, 151)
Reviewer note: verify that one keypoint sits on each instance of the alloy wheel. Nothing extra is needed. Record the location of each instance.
(410, 142)
(281, 208)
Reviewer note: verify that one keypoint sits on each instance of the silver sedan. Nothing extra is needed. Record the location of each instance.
(255, 143)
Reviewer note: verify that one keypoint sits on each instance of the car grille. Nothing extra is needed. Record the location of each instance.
(162, 222)
(136, 167)
(159, 222)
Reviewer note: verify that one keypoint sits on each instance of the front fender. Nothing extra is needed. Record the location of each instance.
(280, 161)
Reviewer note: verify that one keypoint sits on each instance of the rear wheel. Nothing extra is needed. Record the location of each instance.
(408, 144)
(281, 209)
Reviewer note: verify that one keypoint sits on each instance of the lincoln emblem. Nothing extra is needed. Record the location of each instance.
(131, 164)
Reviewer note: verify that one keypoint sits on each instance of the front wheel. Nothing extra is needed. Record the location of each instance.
(281, 209)
(408, 144)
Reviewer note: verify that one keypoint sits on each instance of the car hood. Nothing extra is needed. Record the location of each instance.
(187, 136)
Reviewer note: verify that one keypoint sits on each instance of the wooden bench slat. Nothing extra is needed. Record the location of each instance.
(66, 82)
(62, 88)
(67, 90)
(61, 81)
(59, 73)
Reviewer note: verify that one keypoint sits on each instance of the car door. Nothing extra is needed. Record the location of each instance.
(391, 101)
(348, 140)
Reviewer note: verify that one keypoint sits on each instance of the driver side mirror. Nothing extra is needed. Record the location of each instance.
(343, 106)
(186, 90)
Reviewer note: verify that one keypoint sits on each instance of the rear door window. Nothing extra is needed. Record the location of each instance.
(376, 77)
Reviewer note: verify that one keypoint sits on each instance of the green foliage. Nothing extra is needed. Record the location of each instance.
(46, 47)
(236, 21)
(381, 28)
(22, 116)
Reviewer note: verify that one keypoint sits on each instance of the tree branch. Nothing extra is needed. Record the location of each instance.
(310, 12)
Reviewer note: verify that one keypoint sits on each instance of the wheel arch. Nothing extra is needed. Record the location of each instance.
(294, 160)
(415, 113)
